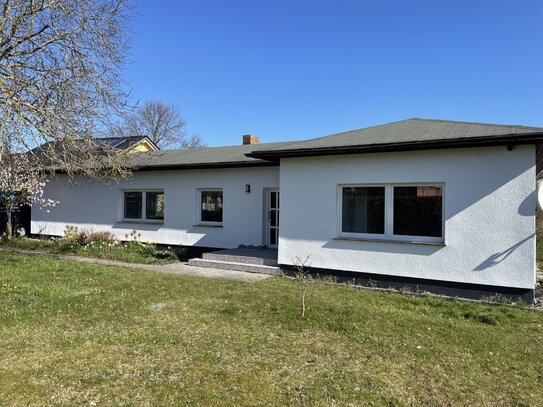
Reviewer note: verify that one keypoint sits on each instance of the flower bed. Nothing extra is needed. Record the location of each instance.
(100, 245)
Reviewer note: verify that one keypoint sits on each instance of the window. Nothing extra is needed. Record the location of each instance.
(418, 211)
(136, 201)
(363, 210)
(154, 205)
(392, 212)
(132, 205)
(211, 205)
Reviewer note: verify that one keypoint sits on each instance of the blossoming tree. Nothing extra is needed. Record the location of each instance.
(21, 183)
(61, 89)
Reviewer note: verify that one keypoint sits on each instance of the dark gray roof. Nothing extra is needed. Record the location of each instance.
(410, 134)
(406, 134)
(210, 157)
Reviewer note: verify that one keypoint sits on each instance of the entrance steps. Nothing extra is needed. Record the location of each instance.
(249, 260)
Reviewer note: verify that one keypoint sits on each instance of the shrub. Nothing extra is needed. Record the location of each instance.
(75, 235)
(148, 249)
(133, 236)
(166, 255)
(66, 245)
(107, 237)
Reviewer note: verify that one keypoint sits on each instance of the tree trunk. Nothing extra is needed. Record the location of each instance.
(9, 224)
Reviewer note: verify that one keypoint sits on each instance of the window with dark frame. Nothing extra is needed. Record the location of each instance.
(132, 205)
(211, 206)
(154, 205)
(143, 205)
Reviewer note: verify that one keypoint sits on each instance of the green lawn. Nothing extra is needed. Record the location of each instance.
(81, 334)
(539, 253)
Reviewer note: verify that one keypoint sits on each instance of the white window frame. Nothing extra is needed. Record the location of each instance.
(143, 218)
(199, 220)
(389, 214)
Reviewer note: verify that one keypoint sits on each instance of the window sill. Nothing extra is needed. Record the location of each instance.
(207, 225)
(141, 221)
(363, 239)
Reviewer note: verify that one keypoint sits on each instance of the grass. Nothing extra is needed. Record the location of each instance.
(80, 334)
(130, 252)
(539, 253)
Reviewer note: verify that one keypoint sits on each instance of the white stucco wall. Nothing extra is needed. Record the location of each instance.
(98, 206)
(489, 206)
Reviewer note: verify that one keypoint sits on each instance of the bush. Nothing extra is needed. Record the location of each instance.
(65, 246)
(149, 250)
(79, 236)
(75, 235)
(107, 237)
(166, 255)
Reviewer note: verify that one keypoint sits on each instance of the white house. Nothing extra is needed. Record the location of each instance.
(440, 205)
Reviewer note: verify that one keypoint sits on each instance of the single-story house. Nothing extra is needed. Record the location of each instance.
(440, 205)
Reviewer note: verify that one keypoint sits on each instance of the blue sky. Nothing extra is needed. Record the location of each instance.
(290, 70)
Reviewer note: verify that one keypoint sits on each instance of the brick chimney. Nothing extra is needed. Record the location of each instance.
(250, 139)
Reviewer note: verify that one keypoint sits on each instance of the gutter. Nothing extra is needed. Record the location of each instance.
(167, 167)
(233, 164)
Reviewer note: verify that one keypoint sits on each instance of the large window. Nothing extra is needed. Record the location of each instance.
(211, 206)
(392, 212)
(143, 205)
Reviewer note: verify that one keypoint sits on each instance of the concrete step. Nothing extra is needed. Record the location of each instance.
(229, 265)
(233, 258)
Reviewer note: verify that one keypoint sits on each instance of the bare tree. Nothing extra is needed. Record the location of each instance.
(61, 83)
(163, 124)
(194, 141)
(302, 276)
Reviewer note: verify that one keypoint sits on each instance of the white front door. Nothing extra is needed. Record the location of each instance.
(272, 234)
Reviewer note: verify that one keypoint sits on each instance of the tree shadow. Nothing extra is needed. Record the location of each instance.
(498, 257)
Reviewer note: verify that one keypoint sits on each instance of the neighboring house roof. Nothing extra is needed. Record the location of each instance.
(130, 143)
(410, 134)
(209, 157)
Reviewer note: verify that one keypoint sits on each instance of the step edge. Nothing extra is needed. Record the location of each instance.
(233, 263)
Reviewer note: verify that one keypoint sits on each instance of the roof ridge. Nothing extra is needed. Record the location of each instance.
(477, 123)
(124, 137)
(415, 132)
(345, 133)
(361, 128)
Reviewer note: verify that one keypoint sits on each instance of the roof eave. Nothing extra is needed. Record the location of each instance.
(195, 166)
(166, 167)
(508, 140)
